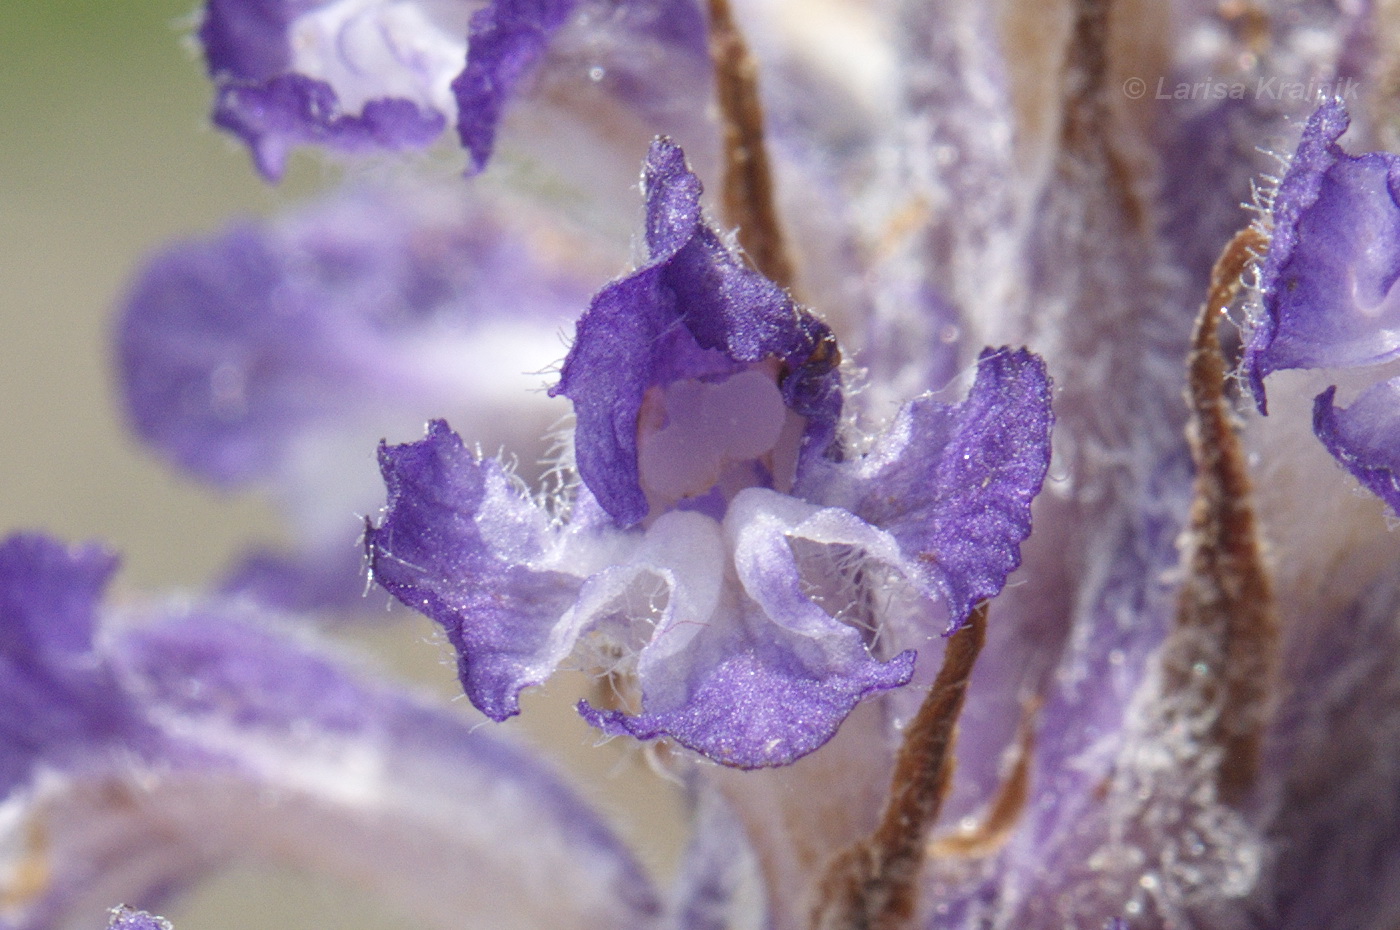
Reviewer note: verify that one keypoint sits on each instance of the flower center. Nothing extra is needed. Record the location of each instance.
(701, 442)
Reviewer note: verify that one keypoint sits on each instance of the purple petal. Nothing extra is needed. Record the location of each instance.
(293, 109)
(59, 697)
(694, 310)
(124, 918)
(618, 47)
(508, 37)
(1334, 255)
(349, 77)
(1365, 437)
(455, 543)
(954, 484)
(247, 38)
(757, 708)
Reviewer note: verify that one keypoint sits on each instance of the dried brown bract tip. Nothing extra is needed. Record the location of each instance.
(1222, 655)
(748, 195)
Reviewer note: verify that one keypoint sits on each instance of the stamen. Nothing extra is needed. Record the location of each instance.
(1223, 652)
(1008, 803)
(748, 182)
(873, 885)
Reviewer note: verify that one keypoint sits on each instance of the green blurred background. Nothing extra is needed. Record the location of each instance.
(108, 154)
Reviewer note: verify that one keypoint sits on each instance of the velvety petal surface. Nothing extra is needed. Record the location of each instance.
(508, 38)
(693, 310)
(954, 483)
(1334, 255)
(1365, 437)
(456, 543)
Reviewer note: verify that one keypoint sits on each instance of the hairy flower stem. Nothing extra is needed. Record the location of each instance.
(1222, 654)
(873, 885)
(748, 180)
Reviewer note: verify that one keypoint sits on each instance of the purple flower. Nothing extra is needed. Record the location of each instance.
(1325, 294)
(721, 559)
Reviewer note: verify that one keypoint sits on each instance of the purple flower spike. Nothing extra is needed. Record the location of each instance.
(1365, 437)
(1326, 283)
(694, 312)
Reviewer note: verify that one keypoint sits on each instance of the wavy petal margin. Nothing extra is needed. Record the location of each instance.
(454, 544)
(771, 674)
(1365, 437)
(954, 483)
(1334, 255)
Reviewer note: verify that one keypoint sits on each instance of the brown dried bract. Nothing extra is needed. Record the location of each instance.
(748, 181)
(1223, 651)
(873, 885)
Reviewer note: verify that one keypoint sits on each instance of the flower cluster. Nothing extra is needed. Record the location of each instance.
(864, 496)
